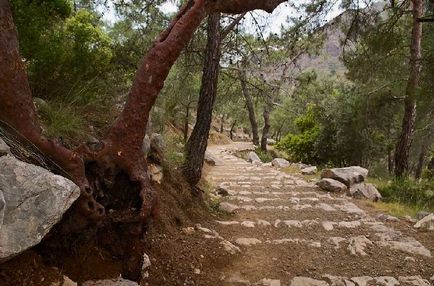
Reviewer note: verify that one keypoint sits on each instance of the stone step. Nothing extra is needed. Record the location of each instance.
(330, 280)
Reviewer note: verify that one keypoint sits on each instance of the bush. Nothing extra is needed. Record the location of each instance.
(263, 155)
(303, 147)
(410, 192)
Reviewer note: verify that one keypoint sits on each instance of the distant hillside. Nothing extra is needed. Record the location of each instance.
(328, 59)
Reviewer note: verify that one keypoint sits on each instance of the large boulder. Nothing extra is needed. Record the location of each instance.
(253, 157)
(331, 185)
(348, 175)
(4, 148)
(32, 201)
(212, 160)
(280, 163)
(309, 170)
(364, 191)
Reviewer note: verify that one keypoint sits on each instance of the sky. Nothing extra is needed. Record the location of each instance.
(272, 22)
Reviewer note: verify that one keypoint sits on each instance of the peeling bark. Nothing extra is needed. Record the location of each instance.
(17, 112)
(119, 152)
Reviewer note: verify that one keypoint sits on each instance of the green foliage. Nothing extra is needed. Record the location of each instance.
(416, 193)
(265, 156)
(302, 146)
(62, 121)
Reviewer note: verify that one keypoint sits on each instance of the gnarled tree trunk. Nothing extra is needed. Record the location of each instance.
(95, 166)
(402, 150)
(196, 145)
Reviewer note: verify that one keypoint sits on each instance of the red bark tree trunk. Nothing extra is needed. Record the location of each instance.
(120, 149)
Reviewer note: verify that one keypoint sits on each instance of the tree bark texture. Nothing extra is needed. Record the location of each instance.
(93, 166)
(402, 149)
(266, 129)
(198, 141)
(250, 107)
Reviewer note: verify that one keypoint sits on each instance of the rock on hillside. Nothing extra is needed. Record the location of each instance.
(348, 175)
(32, 201)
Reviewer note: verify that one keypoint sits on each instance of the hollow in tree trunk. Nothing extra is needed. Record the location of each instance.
(113, 172)
(198, 141)
(402, 149)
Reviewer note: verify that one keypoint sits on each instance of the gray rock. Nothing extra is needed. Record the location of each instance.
(40, 103)
(269, 282)
(358, 245)
(364, 191)
(348, 175)
(157, 142)
(331, 185)
(146, 146)
(227, 207)
(4, 148)
(305, 281)
(222, 192)
(413, 280)
(247, 241)
(386, 217)
(309, 170)
(111, 282)
(146, 263)
(386, 281)
(280, 163)
(362, 280)
(301, 166)
(253, 157)
(33, 200)
(229, 247)
(420, 215)
(426, 223)
(212, 160)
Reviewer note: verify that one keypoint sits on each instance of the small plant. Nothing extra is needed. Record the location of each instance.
(265, 156)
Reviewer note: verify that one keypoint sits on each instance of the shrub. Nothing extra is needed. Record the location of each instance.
(410, 192)
(263, 155)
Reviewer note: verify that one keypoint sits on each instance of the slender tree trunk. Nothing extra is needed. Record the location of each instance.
(232, 130)
(266, 128)
(222, 123)
(196, 145)
(187, 120)
(250, 107)
(402, 150)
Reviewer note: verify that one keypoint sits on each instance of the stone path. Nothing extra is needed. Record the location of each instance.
(284, 231)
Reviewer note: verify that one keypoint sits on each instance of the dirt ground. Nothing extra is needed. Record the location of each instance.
(183, 255)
